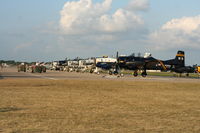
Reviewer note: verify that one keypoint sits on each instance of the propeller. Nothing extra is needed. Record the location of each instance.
(117, 68)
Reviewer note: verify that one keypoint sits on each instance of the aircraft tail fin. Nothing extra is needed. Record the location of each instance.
(180, 58)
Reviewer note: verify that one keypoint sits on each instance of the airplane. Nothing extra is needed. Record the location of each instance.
(149, 63)
(178, 64)
(137, 63)
(130, 63)
(106, 63)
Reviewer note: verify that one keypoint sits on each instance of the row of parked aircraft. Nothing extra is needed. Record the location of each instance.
(148, 63)
(138, 63)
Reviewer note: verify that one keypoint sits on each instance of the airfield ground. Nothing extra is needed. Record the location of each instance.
(61, 102)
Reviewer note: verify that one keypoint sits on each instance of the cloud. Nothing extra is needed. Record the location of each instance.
(138, 5)
(185, 24)
(84, 17)
(77, 17)
(177, 33)
(85, 24)
(122, 20)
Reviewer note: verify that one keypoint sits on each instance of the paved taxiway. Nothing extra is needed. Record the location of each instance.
(8, 73)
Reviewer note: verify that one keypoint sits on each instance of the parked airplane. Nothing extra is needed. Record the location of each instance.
(137, 63)
(178, 64)
(130, 63)
(150, 63)
(106, 63)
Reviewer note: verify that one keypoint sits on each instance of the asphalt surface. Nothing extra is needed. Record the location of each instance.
(11, 73)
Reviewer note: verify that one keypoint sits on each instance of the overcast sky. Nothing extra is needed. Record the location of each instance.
(47, 30)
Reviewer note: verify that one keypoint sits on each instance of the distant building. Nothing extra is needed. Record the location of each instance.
(105, 59)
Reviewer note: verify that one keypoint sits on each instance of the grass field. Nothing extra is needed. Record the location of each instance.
(105, 106)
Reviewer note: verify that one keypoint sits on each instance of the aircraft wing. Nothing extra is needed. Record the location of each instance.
(154, 64)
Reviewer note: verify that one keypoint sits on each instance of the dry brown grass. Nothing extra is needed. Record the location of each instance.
(78, 106)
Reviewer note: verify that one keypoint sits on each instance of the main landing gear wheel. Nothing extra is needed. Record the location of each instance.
(144, 74)
(135, 74)
(115, 72)
(121, 74)
(110, 72)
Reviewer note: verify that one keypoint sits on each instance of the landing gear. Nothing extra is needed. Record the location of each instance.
(121, 75)
(110, 72)
(144, 74)
(115, 72)
(135, 74)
